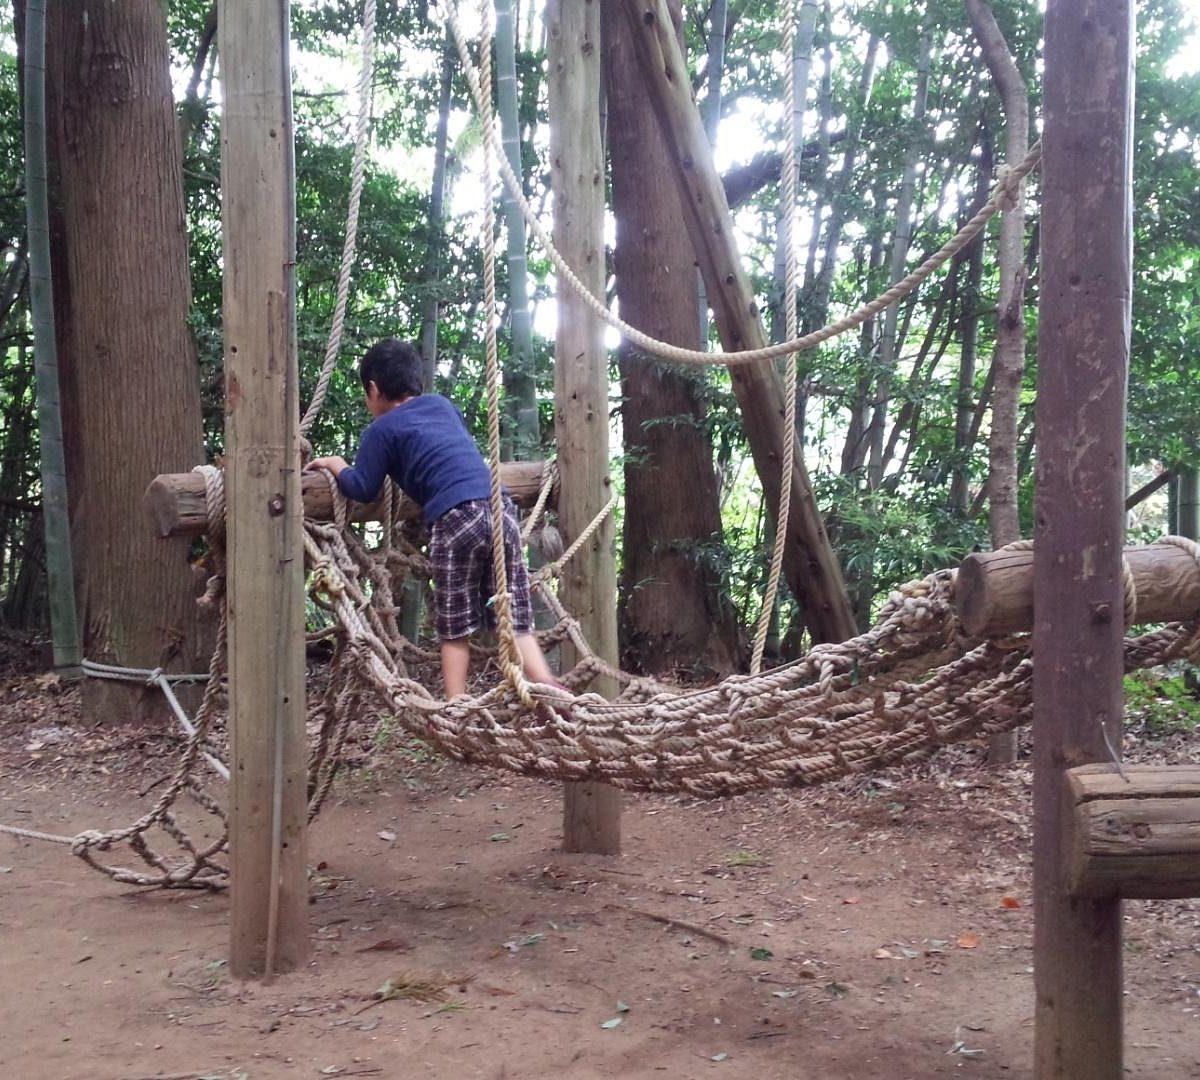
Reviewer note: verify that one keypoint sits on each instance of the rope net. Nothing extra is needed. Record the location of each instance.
(910, 685)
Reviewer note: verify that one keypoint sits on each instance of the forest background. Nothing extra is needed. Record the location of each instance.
(917, 427)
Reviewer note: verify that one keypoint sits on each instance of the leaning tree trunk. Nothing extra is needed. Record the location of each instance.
(673, 611)
(130, 392)
(1008, 364)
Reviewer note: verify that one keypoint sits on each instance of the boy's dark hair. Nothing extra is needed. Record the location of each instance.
(395, 367)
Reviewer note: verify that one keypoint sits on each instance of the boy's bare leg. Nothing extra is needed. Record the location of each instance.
(456, 662)
(533, 661)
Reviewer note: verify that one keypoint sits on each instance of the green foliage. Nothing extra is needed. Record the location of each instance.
(1165, 701)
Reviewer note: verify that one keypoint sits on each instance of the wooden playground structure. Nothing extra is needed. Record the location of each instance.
(1102, 834)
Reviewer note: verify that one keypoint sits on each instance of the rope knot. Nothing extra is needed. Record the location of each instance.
(325, 578)
(1008, 187)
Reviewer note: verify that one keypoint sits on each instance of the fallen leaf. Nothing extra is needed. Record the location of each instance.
(388, 945)
(851, 900)
(1009, 902)
(884, 954)
(968, 941)
(608, 1025)
(499, 837)
(759, 953)
(386, 834)
(722, 1056)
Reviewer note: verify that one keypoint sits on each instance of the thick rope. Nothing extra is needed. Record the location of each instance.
(351, 241)
(787, 225)
(899, 692)
(1003, 194)
(510, 658)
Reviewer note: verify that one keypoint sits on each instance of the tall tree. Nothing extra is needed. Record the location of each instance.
(523, 434)
(673, 614)
(130, 393)
(1008, 363)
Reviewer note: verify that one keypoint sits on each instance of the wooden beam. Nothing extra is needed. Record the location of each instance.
(269, 889)
(591, 812)
(809, 563)
(1135, 833)
(176, 506)
(994, 591)
(1079, 516)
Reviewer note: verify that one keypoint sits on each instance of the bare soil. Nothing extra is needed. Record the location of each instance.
(879, 929)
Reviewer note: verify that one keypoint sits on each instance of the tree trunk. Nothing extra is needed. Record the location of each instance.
(523, 431)
(1009, 360)
(809, 563)
(130, 391)
(814, 306)
(431, 305)
(674, 614)
(714, 67)
(889, 339)
(965, 406)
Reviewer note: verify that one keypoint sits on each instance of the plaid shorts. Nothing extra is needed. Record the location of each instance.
(460, 552)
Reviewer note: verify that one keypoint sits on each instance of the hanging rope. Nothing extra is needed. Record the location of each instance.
(349, 247)
(510, 658)
(787, 225)
(1003, 194)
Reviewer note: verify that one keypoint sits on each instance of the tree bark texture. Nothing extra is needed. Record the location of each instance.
(809, 563)
(1008, 362)
(130, 391)
(673, 614)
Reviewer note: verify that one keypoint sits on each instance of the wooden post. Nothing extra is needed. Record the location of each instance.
(269, 899)
(809, 563)
(1083, 356)
(591, 812)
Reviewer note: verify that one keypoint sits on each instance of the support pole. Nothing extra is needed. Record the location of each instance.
(591, 812)
(269, 898)
(1083, 356)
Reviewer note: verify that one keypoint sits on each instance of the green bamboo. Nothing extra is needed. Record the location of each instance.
(64, 625)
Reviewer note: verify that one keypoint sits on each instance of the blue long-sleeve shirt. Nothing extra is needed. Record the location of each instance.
(422, 444)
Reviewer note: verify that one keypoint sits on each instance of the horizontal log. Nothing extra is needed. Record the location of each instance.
(1136, 836)
(994, 590)
(176, 505)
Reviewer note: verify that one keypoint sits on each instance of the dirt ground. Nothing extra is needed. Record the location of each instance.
(879, 929)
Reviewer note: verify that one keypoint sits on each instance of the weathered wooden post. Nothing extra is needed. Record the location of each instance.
(591, 812)
(269, 913)
(1083, 355)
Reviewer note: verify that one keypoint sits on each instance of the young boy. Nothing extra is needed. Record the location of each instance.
(421, 441)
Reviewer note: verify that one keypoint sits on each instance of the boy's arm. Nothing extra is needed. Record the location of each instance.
(363, 480)
(334, 464)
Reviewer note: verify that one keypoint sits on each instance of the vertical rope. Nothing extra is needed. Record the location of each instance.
(787, 224)
(348, 247)
(510, 663)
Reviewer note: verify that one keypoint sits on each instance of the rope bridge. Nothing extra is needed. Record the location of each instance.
(913, 683)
